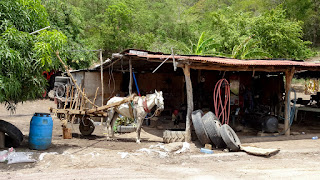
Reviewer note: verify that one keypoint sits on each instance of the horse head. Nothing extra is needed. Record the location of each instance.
(159, 100)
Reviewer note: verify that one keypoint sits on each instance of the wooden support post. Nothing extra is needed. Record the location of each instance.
(102, 89)
(186, 71)
(289, 76)
(130, 81)
(2, 140)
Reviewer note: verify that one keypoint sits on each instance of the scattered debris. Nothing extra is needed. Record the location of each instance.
(150, 151)
(207, 151)
(208, 146)
(259, 151)
(160, 146)
(185, 147)
(160, 149)
(45, 153)
(123, 154)
(11, 156)
(4, 155)
(20, 157)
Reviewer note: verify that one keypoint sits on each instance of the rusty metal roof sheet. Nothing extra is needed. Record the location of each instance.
(227, 61)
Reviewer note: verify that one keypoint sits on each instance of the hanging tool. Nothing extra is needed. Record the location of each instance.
(135, 81)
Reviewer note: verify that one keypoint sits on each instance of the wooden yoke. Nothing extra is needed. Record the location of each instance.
(102, 108)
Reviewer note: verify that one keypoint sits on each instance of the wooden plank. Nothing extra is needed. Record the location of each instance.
(67, 111)
(95, 96)
(238, 68)
(105, 107)
(186, 71)
(98, 110)
(289, 75)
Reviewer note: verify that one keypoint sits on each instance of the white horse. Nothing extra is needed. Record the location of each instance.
(140, 107)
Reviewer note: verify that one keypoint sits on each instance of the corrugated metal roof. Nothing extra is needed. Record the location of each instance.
(226, 61)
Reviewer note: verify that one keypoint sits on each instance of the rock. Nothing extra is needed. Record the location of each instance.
(173, 146)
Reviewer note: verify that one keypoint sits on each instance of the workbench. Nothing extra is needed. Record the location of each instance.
(305, 108)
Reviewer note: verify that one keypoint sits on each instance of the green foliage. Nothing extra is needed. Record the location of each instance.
(248, 50)
(23, 56)
(281, 28)
(280, 37)
(202, 47)
(69, 19)
(275, 35)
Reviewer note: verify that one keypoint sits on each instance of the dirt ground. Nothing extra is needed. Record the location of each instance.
(96, 158)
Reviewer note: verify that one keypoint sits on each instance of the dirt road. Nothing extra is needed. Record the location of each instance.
(96, 158)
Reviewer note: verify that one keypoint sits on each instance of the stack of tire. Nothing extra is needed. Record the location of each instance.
(209, 130)
(13, 136)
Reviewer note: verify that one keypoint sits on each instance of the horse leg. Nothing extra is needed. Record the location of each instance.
(110, 117)
(115, 116)
(139, 125)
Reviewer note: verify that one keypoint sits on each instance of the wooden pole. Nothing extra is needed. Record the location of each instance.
(95, 96)
(289, 76)
(186, 71)
(102, 89)
(66, 101)
(73, 80)
(71, 101)
(130, 82)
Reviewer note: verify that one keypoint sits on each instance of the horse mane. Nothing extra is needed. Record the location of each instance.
(148, 95)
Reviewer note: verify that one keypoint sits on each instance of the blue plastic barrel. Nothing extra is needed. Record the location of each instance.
(40, 134)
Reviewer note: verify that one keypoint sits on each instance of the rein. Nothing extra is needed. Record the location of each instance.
(156, 113)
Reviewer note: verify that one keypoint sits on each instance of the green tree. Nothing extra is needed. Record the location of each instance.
(280, 37)
(24, 56)
(67, 18)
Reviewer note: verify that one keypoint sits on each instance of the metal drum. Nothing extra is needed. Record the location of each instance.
(269, 124)
(40, 134)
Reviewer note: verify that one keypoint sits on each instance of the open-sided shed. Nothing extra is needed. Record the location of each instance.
(147, 62)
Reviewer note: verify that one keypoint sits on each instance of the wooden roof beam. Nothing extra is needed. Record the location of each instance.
(239, 68)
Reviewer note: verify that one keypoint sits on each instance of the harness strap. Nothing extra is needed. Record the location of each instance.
(145, 106)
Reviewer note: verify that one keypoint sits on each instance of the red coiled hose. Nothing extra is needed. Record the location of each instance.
(222, 108)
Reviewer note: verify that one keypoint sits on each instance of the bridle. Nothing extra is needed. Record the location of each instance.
(157, 111)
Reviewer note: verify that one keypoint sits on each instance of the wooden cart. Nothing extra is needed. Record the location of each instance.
(74, 107)
(83, 115)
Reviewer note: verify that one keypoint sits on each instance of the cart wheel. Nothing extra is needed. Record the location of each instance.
(86, 127)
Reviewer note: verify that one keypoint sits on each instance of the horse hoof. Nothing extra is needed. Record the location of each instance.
(138, 141)
(110, 139)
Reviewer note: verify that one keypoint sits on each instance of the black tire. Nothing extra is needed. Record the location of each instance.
(170, 136)
(60, 90)
(212, 126)
(230, 137)
(86, 127)
(199, 127)
(14, 136)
